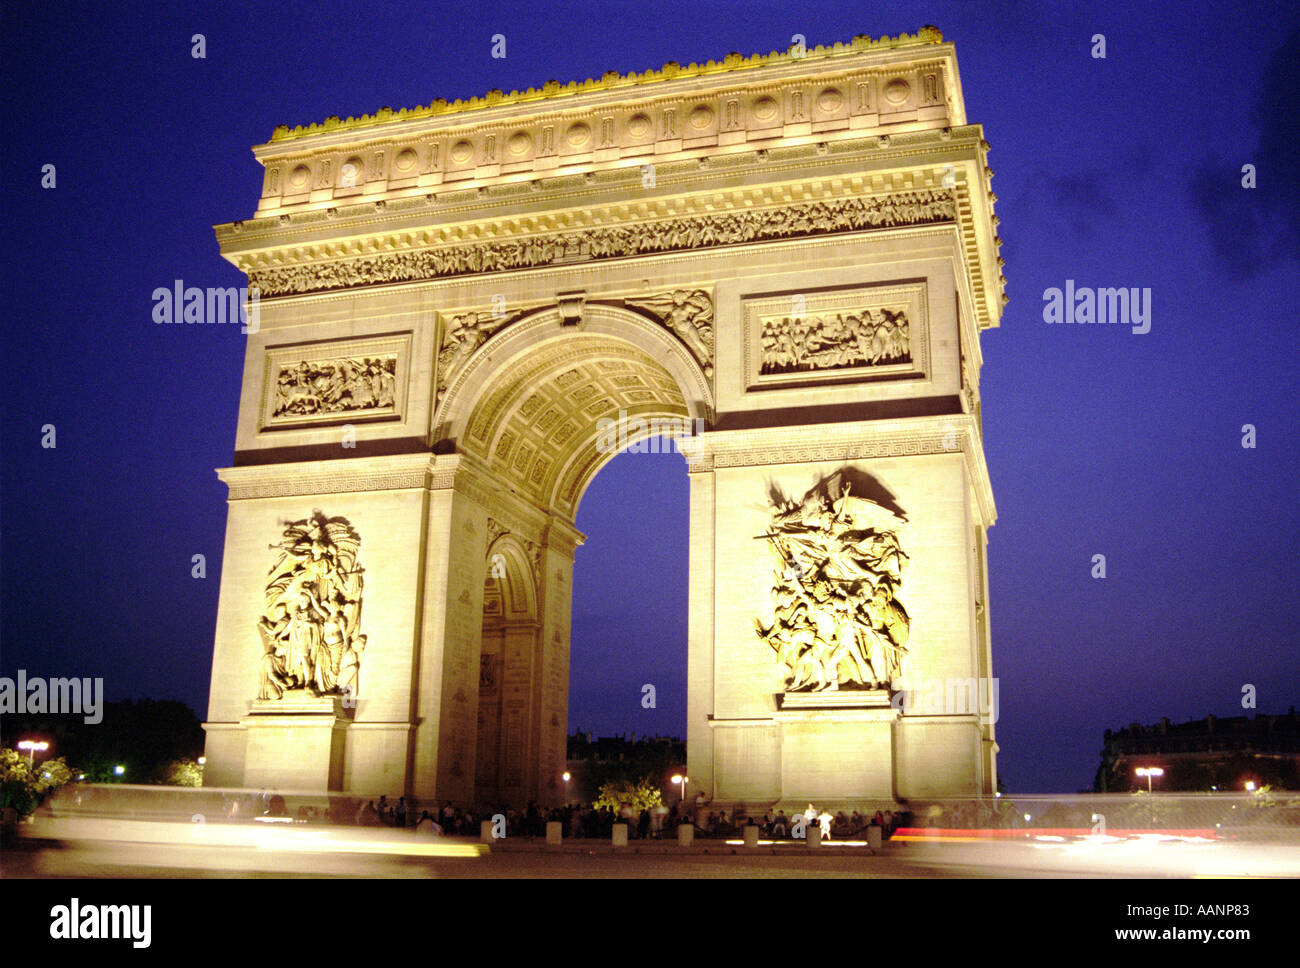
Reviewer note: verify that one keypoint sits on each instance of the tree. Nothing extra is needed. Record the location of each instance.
(186, 773)
(643, 794)
(23, 786)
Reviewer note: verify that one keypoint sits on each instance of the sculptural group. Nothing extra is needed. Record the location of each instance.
(794, 343)
(334, 386)
(310, 626)
(835, 619)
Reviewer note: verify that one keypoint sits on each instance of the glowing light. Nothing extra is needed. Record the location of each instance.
(32, 747)
(1250, 786)
(119, 770)
(1149, 772)
(203, 761)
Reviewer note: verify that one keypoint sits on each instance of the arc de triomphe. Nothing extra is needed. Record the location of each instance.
(463, 310)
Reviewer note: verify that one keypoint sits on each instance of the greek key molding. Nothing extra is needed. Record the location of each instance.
(328, 477)
(949, 442)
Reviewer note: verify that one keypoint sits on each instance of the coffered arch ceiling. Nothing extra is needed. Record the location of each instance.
(543, 424)
(535, 404)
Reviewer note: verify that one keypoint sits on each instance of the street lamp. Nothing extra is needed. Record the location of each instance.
(119, 770)
(1250, 786)
(566, 779)
(31, 746)
(1149, 772)
(683, 780)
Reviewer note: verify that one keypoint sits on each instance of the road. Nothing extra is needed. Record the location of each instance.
(108, 848)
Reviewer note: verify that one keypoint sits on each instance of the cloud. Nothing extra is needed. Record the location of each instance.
(1084, 196)
(1251, 230)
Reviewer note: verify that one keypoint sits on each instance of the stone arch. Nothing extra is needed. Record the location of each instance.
(511, 569)
(531, 399)
(504, 755)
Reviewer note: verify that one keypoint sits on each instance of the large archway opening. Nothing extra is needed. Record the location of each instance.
(541, 410)
(627, 679)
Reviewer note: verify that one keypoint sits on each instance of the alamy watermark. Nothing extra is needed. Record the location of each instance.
(190, 304)
(84, 697)
(642, 435)
(1125, 307)
(75, 921)
(936, 696)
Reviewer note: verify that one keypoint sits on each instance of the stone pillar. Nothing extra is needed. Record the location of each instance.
(383, 501)
(619, 836)
(447, 673)
(685, 834)
(699, 628)
(295, 744)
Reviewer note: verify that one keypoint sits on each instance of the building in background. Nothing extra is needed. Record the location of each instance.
(1205, 754)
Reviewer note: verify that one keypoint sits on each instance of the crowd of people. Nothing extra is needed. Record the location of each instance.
(585, 821)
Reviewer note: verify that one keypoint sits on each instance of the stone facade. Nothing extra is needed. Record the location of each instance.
(795, 255)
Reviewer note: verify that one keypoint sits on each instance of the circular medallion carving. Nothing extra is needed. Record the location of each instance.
(519, 143)
(461, 152)
(351, 172)
(638, 126)
(578, 134)
(701, 117)
(896, 91)
(298, 177)
(830, 100)
(764, 108)
(405, 159)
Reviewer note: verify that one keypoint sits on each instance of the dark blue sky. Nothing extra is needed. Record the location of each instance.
(1116, 172)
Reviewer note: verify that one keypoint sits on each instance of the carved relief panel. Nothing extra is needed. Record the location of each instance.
(339, 381)
(842, 335)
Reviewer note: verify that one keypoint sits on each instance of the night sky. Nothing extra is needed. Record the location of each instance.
(1117, 172)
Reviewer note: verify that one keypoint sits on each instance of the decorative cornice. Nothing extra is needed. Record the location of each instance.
(911, 446)
(917, 207)
(345, 475)
(878, 439)
(611, 79)
(619, 192)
